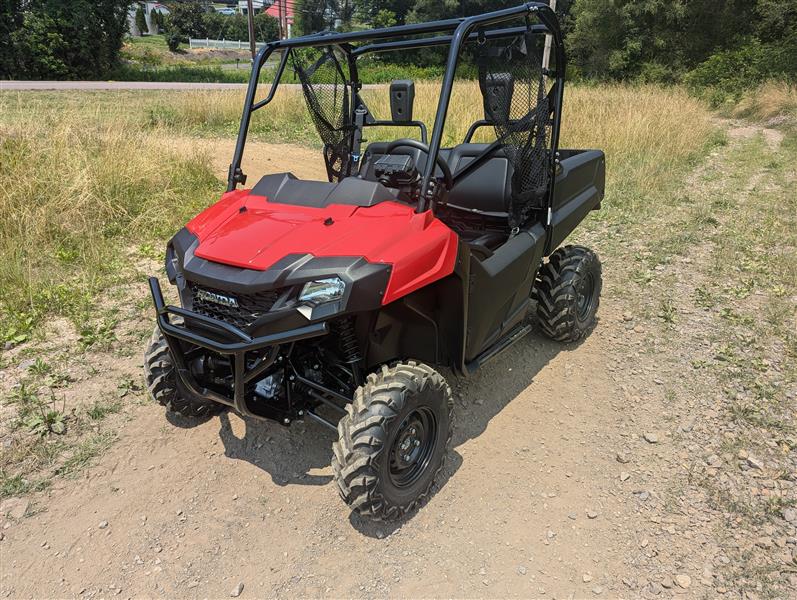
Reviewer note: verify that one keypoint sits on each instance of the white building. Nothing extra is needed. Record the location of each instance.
(257, 5)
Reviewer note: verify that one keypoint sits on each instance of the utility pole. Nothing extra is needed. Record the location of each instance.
(546, 53)
(281, 16)
(285, 28)
(250, 13)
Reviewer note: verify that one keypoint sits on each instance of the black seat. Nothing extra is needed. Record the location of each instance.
(486, 190)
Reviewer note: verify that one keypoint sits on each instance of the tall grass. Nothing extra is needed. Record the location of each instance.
(650, 134)
(76, 188)
(85, 177)
(773, 100)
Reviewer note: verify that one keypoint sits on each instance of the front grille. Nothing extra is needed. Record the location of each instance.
(250, 306)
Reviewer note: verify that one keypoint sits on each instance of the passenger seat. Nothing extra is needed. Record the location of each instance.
(489, 188)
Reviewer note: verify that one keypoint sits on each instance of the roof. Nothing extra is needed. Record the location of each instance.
(273, 10)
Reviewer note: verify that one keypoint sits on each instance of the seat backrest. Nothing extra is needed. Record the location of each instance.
(489, 188)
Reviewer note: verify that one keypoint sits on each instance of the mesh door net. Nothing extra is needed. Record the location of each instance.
(324, 85)
(513, 89)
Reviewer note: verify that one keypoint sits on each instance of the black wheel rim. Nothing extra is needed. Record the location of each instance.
(585, 297)
(412, 447)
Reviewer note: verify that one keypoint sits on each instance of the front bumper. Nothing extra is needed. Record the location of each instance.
(225, 339)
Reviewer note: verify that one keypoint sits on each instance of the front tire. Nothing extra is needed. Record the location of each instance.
(393, 440)
(567, 292)
(163, 386)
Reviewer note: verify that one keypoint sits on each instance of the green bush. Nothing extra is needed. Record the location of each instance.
(40, 49)
(654, 72)
(173, 40)
(369, 72)
(184, 73)
(50, 39)
(727, 75)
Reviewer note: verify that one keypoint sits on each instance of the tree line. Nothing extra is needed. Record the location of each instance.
(729, 45)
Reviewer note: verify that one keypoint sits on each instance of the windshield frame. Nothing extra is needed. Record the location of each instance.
(456, 33)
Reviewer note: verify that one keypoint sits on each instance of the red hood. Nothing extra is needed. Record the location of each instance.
(421, 248)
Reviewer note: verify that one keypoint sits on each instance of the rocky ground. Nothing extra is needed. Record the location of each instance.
(657, 458)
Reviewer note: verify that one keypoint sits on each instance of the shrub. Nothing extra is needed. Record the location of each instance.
(173, 40)
(727, 76)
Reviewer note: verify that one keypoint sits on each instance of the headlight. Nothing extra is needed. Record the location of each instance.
(322, 290)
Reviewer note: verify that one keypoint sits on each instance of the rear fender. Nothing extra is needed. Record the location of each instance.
(580, 186)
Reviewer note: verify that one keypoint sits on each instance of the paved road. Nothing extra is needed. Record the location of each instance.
(115, 85)
(42, 86)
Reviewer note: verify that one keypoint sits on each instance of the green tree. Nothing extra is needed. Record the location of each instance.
(312, 16)
(154, 18)
(429, 10)
(266, 28)
(187, 19)
(10, 21)
(653, 39)
(384, 18)
(53, 39)
(777, 29)
(141, 21)
(40, 48)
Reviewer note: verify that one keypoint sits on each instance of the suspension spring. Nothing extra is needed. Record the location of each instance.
(344, 328)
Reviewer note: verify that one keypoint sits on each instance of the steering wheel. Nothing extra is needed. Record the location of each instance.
(409, 143)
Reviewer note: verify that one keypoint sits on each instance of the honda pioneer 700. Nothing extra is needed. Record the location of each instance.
(337, 300)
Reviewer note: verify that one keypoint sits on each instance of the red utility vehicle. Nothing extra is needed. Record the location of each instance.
(337, 300)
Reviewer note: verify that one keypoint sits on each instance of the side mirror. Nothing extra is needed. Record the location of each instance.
(402, 98)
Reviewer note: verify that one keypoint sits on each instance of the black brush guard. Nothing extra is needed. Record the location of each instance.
(231, 342)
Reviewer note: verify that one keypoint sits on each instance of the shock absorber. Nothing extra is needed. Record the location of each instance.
(350, 347)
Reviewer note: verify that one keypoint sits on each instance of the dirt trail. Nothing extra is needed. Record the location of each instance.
(562, 482)
(259, 157)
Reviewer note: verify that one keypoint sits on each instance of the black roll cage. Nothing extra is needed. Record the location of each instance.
(459, 31)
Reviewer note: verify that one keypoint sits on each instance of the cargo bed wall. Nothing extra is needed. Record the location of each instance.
(580, 185)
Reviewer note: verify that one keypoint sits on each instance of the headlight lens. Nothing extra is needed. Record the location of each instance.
(322, 290)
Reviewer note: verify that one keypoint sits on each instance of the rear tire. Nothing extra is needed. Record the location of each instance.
(567, 292)
(393, 440)
(164, 387)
